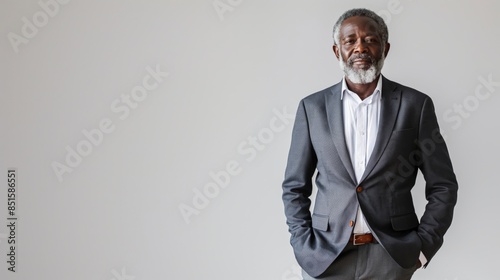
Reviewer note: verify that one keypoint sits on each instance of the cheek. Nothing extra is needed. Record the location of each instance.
(344, 57)
(377, 52)
(346, 53)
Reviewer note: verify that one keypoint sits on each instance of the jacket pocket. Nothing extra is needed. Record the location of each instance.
(403, 130)
(320, 222)
(405, 222)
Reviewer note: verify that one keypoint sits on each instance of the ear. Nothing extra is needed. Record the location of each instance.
(336, 51)
(386, 50)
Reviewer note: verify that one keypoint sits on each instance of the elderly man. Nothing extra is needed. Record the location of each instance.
(366, 137)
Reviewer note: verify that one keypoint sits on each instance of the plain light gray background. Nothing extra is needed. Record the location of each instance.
(233, 76)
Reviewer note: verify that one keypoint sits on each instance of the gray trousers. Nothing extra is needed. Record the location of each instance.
(364, 262)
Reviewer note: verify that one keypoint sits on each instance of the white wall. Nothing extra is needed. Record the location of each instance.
(232, 76)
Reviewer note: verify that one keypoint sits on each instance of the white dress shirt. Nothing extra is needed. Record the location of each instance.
(361, 122)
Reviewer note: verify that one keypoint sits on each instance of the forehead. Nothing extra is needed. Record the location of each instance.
(353, 25)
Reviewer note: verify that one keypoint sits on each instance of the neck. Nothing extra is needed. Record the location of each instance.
(362, 90)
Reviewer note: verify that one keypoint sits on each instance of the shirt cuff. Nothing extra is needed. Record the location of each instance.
(423, 259)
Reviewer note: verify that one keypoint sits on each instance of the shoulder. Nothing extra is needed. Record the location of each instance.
(407, 93)
(319, 97)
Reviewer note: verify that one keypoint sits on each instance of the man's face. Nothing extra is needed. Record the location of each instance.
(360, 50)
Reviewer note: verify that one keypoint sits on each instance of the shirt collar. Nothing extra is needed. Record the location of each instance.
(376, 93)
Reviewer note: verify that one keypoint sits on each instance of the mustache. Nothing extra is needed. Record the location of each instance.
(365, 56)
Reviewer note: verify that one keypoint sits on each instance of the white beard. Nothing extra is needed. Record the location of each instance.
(361, 76)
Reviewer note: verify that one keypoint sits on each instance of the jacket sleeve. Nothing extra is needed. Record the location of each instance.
(297, 184)
(441, 184)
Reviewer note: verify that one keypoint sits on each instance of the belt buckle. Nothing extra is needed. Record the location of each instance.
(354, 239)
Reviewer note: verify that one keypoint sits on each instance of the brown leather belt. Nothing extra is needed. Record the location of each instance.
(361, 239)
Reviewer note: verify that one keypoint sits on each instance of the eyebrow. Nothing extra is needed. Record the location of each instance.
(374, 34)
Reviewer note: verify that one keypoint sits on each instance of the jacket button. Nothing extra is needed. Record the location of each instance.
(359, 189)
(351, 223)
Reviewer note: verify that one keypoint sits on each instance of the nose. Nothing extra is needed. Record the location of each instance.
(360, 46)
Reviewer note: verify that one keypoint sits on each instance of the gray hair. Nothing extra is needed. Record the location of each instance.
(381, 26)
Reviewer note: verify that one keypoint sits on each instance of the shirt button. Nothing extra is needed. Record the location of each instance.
(359, 189)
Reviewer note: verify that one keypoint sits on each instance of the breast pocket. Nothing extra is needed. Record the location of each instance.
(403, 141)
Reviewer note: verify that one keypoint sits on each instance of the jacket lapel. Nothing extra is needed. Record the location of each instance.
(389, 108)
(335, 115)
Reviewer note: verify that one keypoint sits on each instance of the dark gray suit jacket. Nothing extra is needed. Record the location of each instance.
(408, 140)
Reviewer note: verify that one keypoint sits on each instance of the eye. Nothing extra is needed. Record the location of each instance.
(349, 41)
(370, 40)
